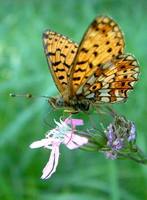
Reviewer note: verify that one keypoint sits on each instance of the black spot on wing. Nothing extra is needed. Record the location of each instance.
(50, 54)
(61, 77)
(80, 70)
(56, 63)
(95, 53)
(109, 50)
(82, 62)
(90, 65)
(94, 24)
(63, 55)
(76, 78)
(59, 70)
(72, 51)
(107, 42)
(68, 66)
(84, 50)
(96, 45)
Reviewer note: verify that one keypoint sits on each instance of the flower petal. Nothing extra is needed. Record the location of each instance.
(73, 141)
(51, 166)
(74, 122)
(39, 143)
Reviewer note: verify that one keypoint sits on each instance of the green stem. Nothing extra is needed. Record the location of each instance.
(137, 156)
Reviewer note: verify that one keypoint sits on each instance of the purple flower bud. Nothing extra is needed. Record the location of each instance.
(113, 142)
(117, 144)
(132, 133)
(110, 133)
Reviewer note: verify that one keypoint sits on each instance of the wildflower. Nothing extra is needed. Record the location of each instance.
(119, 135)
(64, 133)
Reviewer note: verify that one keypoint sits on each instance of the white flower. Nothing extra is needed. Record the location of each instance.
(64, 133)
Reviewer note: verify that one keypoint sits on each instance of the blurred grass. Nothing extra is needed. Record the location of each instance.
(23, 68)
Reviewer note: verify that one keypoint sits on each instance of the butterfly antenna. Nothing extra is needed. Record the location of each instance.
(28, 96)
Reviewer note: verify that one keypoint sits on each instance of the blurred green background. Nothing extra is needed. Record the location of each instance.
(23, 68)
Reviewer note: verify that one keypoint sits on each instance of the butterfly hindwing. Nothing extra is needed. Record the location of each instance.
(60, 52)
(114, 82)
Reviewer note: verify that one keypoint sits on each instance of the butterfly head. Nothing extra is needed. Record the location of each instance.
(57, 102)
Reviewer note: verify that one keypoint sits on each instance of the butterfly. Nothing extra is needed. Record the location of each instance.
(95, 71)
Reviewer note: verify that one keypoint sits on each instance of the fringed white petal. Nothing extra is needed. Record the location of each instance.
(40, 143)
(51, 166)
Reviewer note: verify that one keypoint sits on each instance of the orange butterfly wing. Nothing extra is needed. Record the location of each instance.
(101, 43)
(60, 52)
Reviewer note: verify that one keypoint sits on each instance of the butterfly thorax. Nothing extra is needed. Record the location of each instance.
(74, 103)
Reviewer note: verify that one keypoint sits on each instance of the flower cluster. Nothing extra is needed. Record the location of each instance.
(120, 135)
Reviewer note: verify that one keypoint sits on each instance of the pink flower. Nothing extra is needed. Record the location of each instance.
(64, 133)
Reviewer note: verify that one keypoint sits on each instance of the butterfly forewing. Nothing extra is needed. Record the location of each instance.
(60, 52)
(101, 43)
